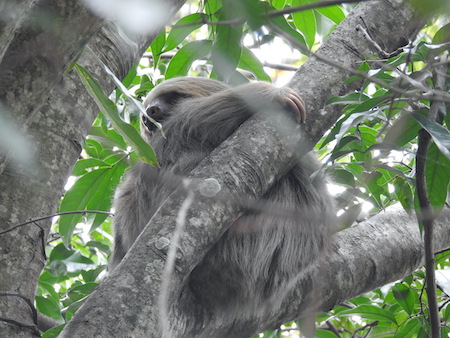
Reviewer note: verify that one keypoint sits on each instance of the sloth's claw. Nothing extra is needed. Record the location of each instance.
(295, 102)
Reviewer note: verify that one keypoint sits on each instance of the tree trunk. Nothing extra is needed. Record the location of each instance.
(55, 135)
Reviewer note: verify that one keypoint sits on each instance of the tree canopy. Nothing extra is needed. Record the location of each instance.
(374, 77)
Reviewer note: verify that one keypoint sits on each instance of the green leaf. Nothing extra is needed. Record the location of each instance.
(281, 23)
(81, 291)
(353, 120)
(278, 4)
(48, 307)
(77, 198)
(250, 62)
(182, 61)
(324, 334)
(53, 332)
(226, 50)
(404, 297)
(93, 148)
(108, 137)
(157, 46)
(411, 329)
(178, 34)
(305, 21)
(440, 135)
(370, 312)
(382, 331)
(334, 13)
(83, 164)
(60, 252)
(102, 200)
(404, 194)
(91, 275)
(351, 98)
(99, 245)
(437, 177)
(403, 131)
(128, 79)
(343, 177)
(144, 151)
(80, 259)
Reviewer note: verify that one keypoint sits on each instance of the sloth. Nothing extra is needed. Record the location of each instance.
(250, 269)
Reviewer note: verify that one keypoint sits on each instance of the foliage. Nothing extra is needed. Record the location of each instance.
(370, 152)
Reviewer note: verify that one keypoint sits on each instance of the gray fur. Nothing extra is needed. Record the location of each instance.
(250, 268)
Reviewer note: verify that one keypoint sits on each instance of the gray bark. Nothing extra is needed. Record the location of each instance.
(127, 303)
(12, 12)
(57, 132)
(49, 38)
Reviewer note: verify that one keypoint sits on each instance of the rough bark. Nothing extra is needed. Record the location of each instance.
(12, 12)
(57, 133)
(50, 37)
(127, 302)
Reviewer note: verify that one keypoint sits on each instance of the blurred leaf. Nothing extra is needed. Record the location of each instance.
(403, 130)
(226, 50)
(353, 120)
(53, 332)
(48, 307)
(252, 10)
(72, 308)
(305, 21)
(60, 252)
(182, 61)
(278, 4)
(178, 34)
(281, 23)
(57, 269)
(442, 35)
(144, 151)
(324, 334)
(429, 8)
(80, 259)
(348, 99)
(81, 291)
(91, 275)
(250, 62)
(370, 312)
(334, 13)
(440, 135)
(343, 177)
(437, 177)
(382, 331)
(99, 245)
(404, 194)
(108, 137)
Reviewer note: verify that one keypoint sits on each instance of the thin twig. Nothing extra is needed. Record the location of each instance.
(273, 14)
(53, 215)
